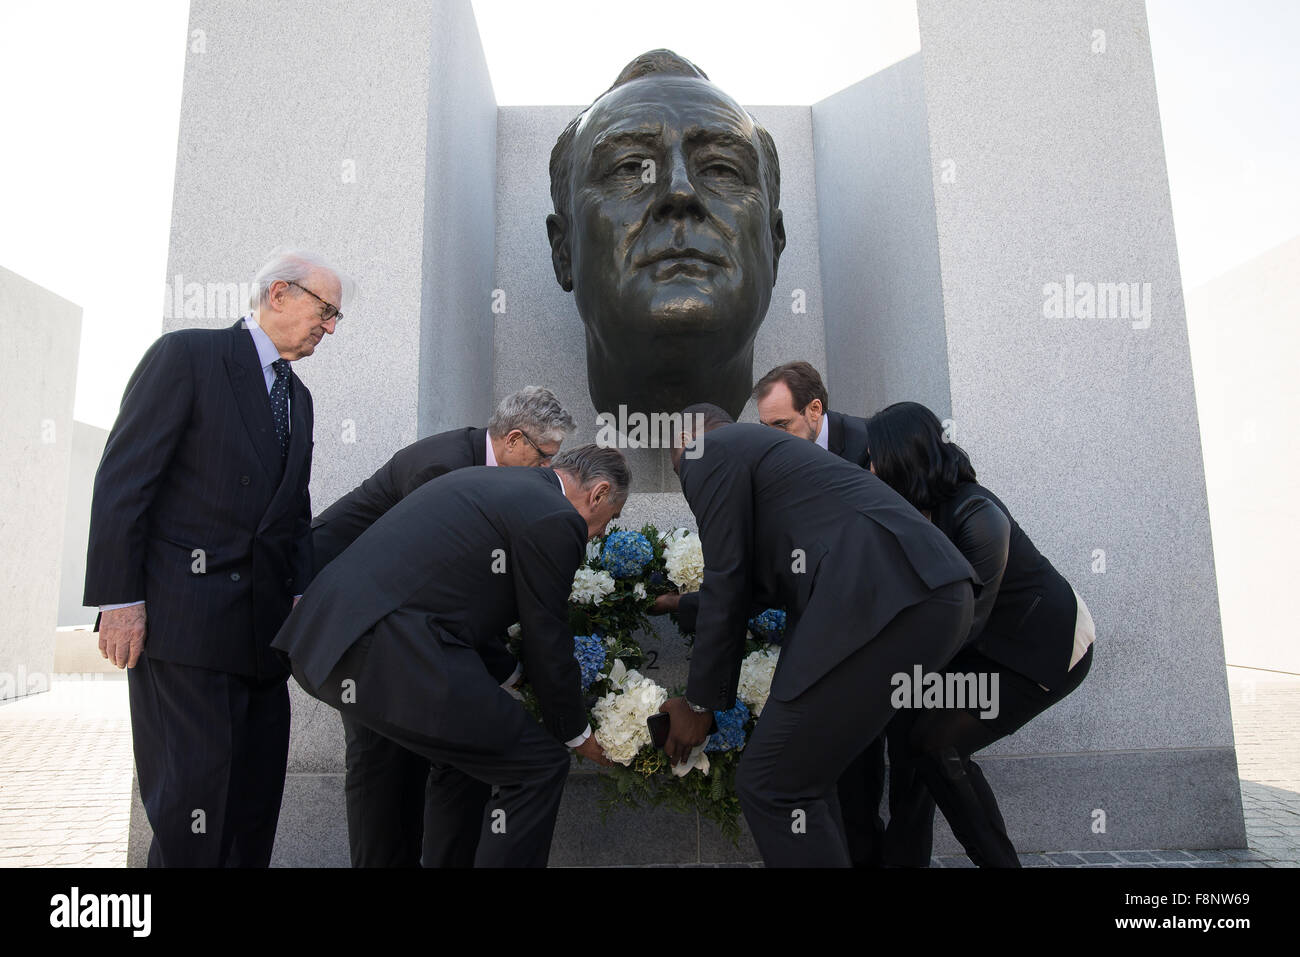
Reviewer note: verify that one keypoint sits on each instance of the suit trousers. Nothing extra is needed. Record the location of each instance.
(860, 788)
(403, 811)
(527, 765)
(786, 780)
(211, 750)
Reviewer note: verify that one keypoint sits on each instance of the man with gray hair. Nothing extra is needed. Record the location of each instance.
(401, 810)
(397, 633)
(201, 520)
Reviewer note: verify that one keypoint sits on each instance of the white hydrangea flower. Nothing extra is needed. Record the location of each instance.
(593, 550)
(756, 673)
(684, 559)
(591, 586)
(638, 590)
(620, 716)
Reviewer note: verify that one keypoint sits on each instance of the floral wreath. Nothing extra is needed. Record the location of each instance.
(613, 592)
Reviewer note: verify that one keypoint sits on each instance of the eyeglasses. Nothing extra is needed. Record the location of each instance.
(329, 312)
(540, 451)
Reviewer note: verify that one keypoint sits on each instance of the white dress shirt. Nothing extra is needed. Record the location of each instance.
(824, 436)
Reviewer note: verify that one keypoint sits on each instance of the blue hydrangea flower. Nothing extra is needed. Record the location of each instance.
(590, 652)
(769, 626)
(731, 729)
(626, 554)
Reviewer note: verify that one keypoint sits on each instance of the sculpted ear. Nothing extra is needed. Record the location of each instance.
(778, 240)
(557, 231)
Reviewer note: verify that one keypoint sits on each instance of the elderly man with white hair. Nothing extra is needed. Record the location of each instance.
(402, 810)
(200, 543)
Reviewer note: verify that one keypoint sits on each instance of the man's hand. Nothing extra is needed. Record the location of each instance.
(121, 635)
(686, 729)
(592, 751)
(665, 603)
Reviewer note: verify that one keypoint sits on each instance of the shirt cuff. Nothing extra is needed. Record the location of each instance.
(515, 676)
(577, 742)
(125, 604)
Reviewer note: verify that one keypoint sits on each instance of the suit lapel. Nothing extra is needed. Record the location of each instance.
(299, 452)
(835, 434)
(249, 385)
(478, 446)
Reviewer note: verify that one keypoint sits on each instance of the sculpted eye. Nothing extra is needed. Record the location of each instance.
(631, 166)
(722, 170)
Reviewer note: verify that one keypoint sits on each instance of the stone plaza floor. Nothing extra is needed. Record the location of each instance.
(65, 780)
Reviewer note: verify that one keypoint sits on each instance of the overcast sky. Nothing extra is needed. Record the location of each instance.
(91, 102)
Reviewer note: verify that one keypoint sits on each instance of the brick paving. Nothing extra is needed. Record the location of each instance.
(65, 781)
(65, 776)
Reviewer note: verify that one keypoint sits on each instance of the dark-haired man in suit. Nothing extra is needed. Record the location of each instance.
(402, 811)
(792, 397)
(396, 632)
(201, 520)
(871, 589)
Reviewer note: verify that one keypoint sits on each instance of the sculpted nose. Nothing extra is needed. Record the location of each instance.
(678, 196)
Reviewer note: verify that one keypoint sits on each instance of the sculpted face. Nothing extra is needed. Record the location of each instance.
(671, 245)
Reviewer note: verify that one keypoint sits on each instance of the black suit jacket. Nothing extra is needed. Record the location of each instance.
(846, 437)
(1025, 613)
(784, 525)
(459, 560)
(339, 525)
(194, 509)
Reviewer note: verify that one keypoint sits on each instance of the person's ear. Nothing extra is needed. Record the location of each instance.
(816, 408)
(599, 493)
(778, 241)
(557, 231)
(279, 290)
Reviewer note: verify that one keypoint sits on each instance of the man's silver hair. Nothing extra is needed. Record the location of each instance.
(536, 412)
(295, 265)
(596, 463)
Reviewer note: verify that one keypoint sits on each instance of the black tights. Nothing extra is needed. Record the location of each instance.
(930, 763)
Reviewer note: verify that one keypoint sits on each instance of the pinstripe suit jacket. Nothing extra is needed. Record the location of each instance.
(194, 509)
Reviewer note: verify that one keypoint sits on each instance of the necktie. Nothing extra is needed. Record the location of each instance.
(280, 403)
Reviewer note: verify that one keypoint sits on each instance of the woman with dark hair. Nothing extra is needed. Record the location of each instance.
(1030, 629)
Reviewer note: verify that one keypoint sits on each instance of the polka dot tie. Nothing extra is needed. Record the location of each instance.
(280, 403)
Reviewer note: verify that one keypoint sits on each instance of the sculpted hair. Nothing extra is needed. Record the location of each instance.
(594, 463)
(803, 381)
(653, 63)
(295, 265)
(909, 454)
(536, 412)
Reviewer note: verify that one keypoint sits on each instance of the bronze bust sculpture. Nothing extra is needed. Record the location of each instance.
(667, 228)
